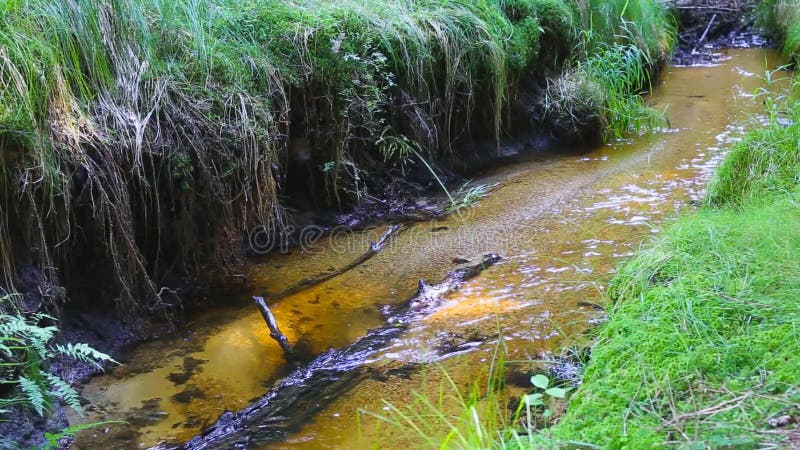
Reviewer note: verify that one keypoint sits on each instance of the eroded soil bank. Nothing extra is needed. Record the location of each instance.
(562, 221)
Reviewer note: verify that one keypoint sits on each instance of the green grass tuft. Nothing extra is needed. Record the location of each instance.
(765, 164)
(781, 19)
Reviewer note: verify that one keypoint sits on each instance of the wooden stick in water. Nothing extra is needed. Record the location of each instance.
(275, 332)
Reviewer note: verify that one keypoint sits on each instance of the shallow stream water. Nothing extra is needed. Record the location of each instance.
(562, 221)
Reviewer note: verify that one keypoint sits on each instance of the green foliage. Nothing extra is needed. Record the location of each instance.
(481, 411)
(648, 24)
(537, 404)
(702, 322)
(165, 108)
(483, 417)
(781, 18)
(549, 24)
(623, 73)
(468, 195)
(767, 162)
(53, 439)
(575, 106)
(27, 349)
(120, 121)
(620, 45)
(600, 96)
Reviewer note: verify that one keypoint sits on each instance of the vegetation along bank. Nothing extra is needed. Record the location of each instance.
(141, 140)
(144, 138)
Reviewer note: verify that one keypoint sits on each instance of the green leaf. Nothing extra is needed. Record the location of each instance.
(556, 392)
(548, 413)
(540, 381)
(534, 399)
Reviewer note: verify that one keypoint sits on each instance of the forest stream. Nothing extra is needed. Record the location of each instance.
(560, 219)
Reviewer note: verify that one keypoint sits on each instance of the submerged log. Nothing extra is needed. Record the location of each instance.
(310, 282)
(308, 389)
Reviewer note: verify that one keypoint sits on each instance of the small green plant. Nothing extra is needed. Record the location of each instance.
(27, 349)
(53, 440)
(468, 195)
(539, 402)
(769, 94)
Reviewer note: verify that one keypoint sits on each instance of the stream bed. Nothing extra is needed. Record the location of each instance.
(561, 220)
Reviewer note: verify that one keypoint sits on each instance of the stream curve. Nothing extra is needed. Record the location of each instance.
(562, 221)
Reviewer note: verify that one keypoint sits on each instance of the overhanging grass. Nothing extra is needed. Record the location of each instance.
(146, 136)
(650, 25)
(622, 42)
(121, 121)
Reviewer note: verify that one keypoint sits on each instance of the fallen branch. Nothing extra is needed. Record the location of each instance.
(708, 27)
(306, 283)
(275, 332)
(308, 389)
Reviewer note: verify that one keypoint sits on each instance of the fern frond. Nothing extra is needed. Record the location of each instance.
(34, 336)
(83, 352)
(34, 394)
(62, 390)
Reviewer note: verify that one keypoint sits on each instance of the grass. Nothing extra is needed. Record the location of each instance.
(699, 349)
(649, 25)
(621, 43)
(147, 136)
(480, 416)
(765, 164)
(781, 18)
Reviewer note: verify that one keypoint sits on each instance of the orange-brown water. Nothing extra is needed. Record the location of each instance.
(562, 223)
